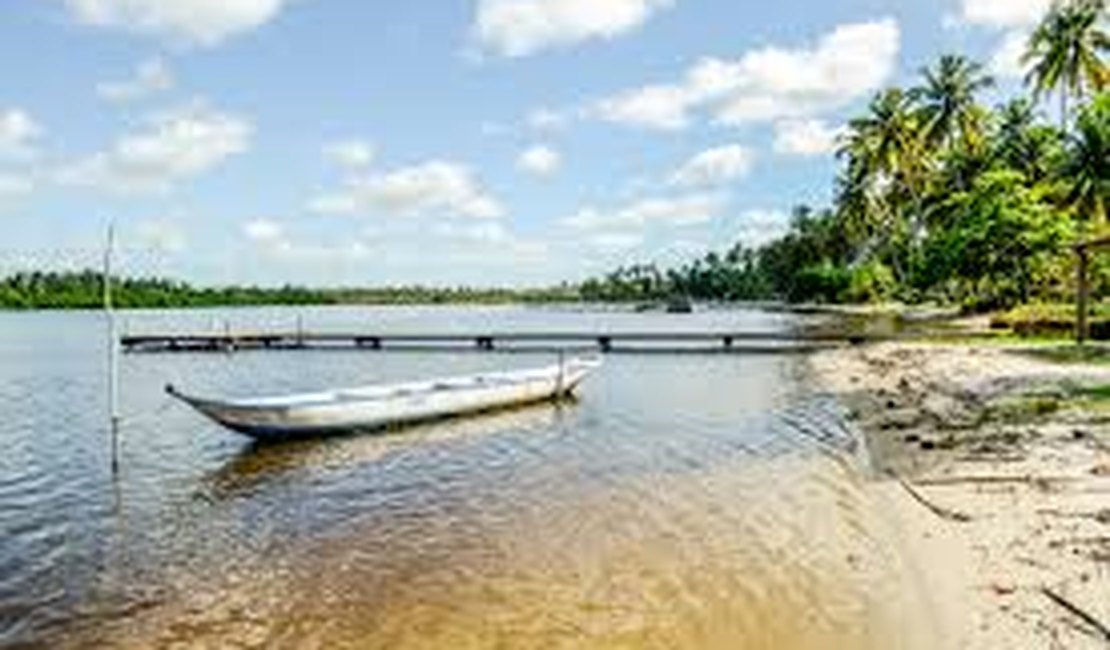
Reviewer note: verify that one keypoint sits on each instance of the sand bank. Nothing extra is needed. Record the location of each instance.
(996, 468)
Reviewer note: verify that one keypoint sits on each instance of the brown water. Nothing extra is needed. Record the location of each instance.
(684, 501)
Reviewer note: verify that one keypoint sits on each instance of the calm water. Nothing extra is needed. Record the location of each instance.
(684, 501)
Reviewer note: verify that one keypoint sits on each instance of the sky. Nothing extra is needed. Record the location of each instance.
(444, 142)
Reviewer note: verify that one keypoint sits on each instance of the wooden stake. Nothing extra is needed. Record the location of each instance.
(1082, 297)
(113, 349)
(1098, 626)
(943, 513)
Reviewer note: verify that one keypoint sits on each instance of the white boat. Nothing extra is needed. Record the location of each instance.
(376, 407)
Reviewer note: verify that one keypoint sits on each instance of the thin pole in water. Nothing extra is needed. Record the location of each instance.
(113, 349)
(561, 385)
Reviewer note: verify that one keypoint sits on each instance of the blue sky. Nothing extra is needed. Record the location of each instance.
(484, 142)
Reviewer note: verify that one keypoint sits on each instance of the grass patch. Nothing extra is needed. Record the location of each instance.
(1091, 354)
(1095, 393)
(1021, 409)
(1052, 320)
(1001, 339)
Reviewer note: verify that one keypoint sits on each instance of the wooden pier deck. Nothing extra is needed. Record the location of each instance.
(488, 341)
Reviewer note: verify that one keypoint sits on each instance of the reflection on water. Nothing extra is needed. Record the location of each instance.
(259, 463)
(684, 501)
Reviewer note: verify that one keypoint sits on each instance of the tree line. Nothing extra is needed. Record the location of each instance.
(939, 197)
(85, 290)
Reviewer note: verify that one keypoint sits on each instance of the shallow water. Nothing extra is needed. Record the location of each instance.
(701, 501)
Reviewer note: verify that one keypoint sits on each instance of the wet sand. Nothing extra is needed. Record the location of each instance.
(717, 559)
(995, 466)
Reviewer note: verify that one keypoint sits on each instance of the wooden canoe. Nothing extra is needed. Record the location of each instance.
(376, 407)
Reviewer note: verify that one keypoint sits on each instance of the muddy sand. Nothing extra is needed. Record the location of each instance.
(995, 464)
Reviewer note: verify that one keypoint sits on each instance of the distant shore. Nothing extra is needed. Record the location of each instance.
(995, 463)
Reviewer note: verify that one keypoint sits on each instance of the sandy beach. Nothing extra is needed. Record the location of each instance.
(995, 464)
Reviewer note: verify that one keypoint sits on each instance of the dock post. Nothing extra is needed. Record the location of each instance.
(229, 341)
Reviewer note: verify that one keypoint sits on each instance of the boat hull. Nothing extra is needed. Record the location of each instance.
(375, 408)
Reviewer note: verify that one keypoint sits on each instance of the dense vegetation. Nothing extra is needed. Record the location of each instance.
(939, 197)
(84, 290)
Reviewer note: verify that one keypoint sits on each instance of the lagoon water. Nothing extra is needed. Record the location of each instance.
(683, 501)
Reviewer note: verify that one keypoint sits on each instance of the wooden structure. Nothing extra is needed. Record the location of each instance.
(488, 341)
(1083, 284)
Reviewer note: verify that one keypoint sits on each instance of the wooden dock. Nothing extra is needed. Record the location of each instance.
(489, 341)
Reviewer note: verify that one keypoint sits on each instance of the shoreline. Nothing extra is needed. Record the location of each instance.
(994, 465)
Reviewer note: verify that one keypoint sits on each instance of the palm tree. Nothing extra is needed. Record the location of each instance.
(1086, 169)
(1021, 143)
(886, 143)
(886, 170)
(947, 99)
(1066, 52)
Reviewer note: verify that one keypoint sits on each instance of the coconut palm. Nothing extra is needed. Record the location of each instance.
(885, 171)
(886, 142)
(947, 100)
(1086, 169)
(1065, 52)
(1022, 144)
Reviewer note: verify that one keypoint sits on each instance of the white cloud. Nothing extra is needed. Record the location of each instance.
(271, 239)
(202, 22)
(772, 83)
(685, 210)
(434, 187)
(1003, 14)
(12, 185)
(547, 119)
(658, 107)
(263, 230)
(540, 160)
(850, 62)
(808, 137)
(715, 166)
(494, 129)
(758, 227)
(615, 242)
(164, 235)
(150, 77)
(18, 132)
(350, 153)
(487, 232)
(515, 28)
(1007, 59)
(318, 253)
(174, 146)
(1017, 18)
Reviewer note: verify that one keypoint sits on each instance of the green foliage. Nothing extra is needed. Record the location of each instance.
(824, 282)
(1052, 320)
(1066, 50)
(993, 244)
(940, 198)
(1085, 172)
(871, 282)
(84, 290)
